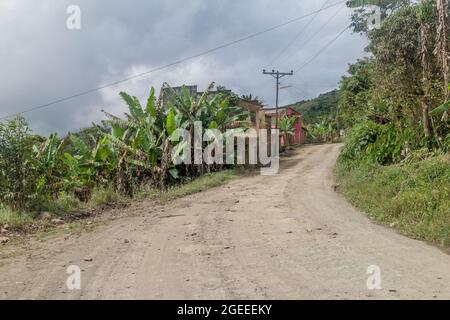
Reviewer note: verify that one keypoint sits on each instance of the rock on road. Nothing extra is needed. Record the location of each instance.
(288, 236)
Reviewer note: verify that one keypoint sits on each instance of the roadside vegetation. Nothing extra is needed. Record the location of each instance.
(48, 178)
(200, 184)
(320, 117)
(410, 193)
(392, 111)
(394, 108)
(322, 107)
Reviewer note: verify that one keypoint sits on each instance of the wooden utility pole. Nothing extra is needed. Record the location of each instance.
(278, 75)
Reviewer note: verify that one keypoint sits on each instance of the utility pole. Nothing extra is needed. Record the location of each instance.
(278, 75)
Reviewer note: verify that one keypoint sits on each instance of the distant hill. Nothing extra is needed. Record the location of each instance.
(323, 106)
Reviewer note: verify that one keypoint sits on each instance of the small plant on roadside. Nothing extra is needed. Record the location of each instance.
(13, 220)
(104, 196)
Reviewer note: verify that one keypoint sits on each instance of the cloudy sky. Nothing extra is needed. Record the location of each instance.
(41, 60)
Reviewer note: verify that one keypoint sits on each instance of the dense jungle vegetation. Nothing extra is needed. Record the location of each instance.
(119, 158)
(394, 106)
(320, 117)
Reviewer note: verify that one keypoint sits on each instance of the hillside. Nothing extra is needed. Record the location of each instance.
(321, 107)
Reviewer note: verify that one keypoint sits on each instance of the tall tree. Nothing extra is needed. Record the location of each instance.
(425, 15)
(361, 15)
(442, 49)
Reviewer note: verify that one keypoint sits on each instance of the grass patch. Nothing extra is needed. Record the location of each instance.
(412, 197)
(14, 220)
(202, 183)
(104, 196)
(65, 203)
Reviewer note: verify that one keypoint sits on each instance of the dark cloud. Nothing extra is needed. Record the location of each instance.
(41, 60)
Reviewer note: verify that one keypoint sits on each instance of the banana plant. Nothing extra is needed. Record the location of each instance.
(322, 130)
(216, 111)
(142, 140)
(190, 108)
(443, 109)
(286, 125)
(220, 113)
(46, 160)
(79, 165)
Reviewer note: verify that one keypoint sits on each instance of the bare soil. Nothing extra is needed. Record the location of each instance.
(289, 236)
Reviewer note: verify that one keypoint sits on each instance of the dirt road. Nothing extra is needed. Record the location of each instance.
(288, 236)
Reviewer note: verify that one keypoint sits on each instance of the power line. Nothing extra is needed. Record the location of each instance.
(311, 85)
(322, 49)
(298, 91)
(223, 46)
(277, 75)
(297, 35)
(321, 28)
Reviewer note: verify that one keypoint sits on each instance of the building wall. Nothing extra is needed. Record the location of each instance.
(299, 135)
(298, 131)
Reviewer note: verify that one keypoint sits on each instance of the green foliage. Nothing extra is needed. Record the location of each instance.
(374, 143)
(354, 94)
(361, 14)
(15, 221)
(63, 204)
(17, 176)
(388, 168)
(445, 107)
(390, 88)
(425, 11)
(104, 196)
(315, 110)
(191, 186)
(324, 130)
(413, 197)
(102, 164)
(446, 144)
(171, 124)
(286, 126)
(46, 163)
(319, 116)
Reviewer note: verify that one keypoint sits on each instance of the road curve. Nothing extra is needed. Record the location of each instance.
(288, 236)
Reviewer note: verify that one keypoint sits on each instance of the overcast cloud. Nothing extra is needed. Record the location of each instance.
(41, 60)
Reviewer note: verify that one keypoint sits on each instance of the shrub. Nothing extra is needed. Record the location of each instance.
(374, 143)
(17, 177)
(413, 197)
(65, 203)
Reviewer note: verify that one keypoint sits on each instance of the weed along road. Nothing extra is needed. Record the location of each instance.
(289, 236)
